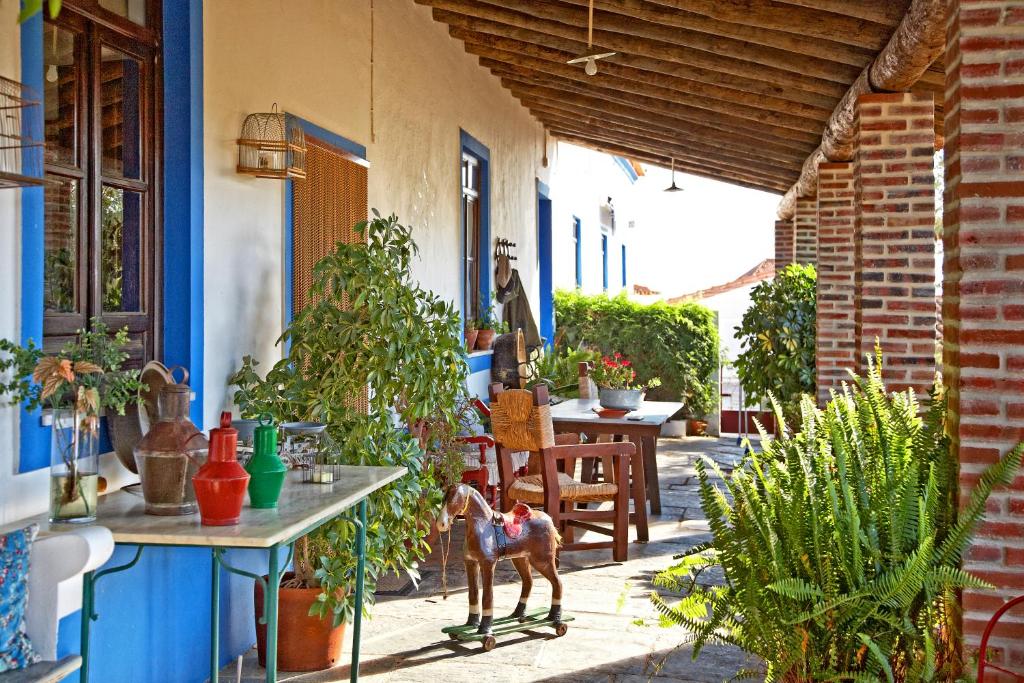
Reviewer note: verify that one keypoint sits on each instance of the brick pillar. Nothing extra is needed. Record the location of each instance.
(783, 244)
(836, 320)
(805, 226)
(983, 291)
(895, 235)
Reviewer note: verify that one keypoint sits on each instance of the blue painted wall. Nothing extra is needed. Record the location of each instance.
(545, 264)
(577, 237)
(604, 262)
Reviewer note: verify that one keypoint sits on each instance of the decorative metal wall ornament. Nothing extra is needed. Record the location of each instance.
(673, 187)
(272, 145)
(21, 151)
(589, 58)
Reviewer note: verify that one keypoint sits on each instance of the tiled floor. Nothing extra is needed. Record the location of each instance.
(615, 637)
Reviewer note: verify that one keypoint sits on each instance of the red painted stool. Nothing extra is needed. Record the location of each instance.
(983, 663)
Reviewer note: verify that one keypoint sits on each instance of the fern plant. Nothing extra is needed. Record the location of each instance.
(841, 545)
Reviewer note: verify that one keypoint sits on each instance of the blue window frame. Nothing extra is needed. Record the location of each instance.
(475, 233)
(604, 262)
(577, 242)
(623, 265)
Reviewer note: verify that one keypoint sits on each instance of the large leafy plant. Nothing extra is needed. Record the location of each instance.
(777, 337)
(370, 331)
(841, 545)
(677, 343)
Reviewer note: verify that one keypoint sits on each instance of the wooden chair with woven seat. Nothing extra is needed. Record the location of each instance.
(521, 421)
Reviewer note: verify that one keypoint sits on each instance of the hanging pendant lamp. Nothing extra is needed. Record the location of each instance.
(673, 187)
(589, 58)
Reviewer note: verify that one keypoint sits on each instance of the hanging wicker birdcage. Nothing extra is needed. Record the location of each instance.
(21, 144)
(272, 145)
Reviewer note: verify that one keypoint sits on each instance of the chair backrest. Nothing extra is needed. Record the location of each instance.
(521, 419)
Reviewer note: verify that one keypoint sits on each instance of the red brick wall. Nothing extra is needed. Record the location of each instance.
(805, 225)
(895, 239)
(783, 244)
(836, 334)
(983, 307)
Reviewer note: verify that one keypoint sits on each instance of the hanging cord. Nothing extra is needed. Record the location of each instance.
(445, 549)
(590, 25)
(373, 130)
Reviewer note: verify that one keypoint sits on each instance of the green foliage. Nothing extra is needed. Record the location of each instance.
(558, 368)
(30, 8)
(115, 387)
(675, 342)
(777, 338)
(840, 545)
(403, 344)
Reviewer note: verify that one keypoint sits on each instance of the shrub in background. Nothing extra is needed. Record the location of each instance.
(841, 545)
(676, 342)
(777, 336)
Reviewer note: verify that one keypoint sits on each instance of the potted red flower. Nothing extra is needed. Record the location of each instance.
(617, 384)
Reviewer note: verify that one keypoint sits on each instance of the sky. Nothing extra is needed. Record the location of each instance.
(706, 235)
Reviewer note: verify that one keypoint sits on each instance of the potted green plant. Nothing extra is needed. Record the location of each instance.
(489, 325)
(471, 334)
(372, 354)
(616, 381)
(77, 383)
(840, 545)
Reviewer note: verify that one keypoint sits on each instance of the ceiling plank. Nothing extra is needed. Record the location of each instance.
(887, 12)
(579, 79)
(810, 23)
(649, 11)
(508, 23)
(543, 46)
(554, 63)
(565, 17)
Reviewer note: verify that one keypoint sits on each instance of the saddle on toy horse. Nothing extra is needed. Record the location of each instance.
(512, 522)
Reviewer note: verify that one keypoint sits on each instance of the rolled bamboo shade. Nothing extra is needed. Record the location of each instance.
(326, 206)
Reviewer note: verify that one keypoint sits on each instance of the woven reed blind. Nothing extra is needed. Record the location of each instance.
(326, 206)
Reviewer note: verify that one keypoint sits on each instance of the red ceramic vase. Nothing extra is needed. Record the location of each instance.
(221, 483)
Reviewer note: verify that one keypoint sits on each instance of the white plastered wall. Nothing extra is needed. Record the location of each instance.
(312, 57)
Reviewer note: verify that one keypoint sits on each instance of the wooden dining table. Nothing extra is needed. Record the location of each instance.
(641, 426)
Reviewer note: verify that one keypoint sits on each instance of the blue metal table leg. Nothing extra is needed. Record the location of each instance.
(273, 586)
(215, 616)
(357, 619)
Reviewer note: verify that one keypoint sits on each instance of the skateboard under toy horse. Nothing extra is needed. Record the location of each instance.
(528, 538)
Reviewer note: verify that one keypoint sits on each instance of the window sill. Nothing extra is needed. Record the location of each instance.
(480, 360)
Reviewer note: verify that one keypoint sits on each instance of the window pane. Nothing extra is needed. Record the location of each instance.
(60, 260)
(471, 211)
(121, 250)
(133, 10)
(120, 94)
(60, 94)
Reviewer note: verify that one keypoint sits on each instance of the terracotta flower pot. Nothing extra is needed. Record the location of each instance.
(471, 337)
(304, 643)
(697, 427)
(484, 340)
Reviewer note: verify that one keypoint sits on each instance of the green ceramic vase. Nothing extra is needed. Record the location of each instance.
(265, 468)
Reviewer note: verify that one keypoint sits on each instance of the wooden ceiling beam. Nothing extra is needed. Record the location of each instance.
(802, 21)
(887, 12)
(543, 46)
(693, 153)
(686, 136)
(665, 161)
(613, 29)
(570, 77)
(754, 129)
(649, 11)
(554, 63)
(597, 107)
(507, 23)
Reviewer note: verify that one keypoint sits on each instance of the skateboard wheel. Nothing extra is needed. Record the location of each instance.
(489, 642)
(561, 629)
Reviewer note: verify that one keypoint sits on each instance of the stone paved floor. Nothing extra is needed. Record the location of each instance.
(615, 637)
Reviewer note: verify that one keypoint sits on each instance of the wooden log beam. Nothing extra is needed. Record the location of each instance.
(567, 76)
(555, 64)
(649, 11)
(801, 21)
(641, 118)
(653, 106)
(509, 23)
(665, 161)
(784, 158)
(542, 46)
(681, 148)
(915, 44)
(613, 28)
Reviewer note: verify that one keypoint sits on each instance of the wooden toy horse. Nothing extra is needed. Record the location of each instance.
(527, 537)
